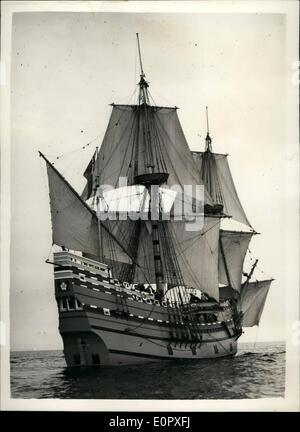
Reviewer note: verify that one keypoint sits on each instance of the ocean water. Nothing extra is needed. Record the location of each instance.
(255, 372)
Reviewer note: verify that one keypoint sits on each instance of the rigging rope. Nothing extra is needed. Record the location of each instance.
(76, 150)
(257, 267)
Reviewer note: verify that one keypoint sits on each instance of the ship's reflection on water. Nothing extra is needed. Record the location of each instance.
(254, 373)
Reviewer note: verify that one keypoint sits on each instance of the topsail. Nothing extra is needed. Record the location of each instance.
(216, 175)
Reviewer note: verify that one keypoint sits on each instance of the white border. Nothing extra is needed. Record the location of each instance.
(291, 400)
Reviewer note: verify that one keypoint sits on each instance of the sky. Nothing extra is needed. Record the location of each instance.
(68, 67)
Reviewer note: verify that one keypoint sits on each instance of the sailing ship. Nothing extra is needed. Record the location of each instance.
(135, 281)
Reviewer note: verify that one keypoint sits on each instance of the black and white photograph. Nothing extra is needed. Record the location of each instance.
(149, 205)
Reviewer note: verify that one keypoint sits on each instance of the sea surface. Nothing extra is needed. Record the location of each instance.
(255, 372)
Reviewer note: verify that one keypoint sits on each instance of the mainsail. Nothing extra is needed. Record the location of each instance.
(252, 301)
(124, 152)
(197, 255)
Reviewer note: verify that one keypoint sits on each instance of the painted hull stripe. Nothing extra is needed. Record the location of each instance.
(170, 357)
(214, 340)
(152, 356)
(149, 312)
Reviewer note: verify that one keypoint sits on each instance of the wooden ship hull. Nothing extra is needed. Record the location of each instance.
(102, 322)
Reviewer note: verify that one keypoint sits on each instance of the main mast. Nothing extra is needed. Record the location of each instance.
(140, 144)
(152, 178)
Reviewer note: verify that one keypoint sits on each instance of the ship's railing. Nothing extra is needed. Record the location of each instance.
(68, 258)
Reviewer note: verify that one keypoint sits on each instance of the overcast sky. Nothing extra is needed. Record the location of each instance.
(66, 70)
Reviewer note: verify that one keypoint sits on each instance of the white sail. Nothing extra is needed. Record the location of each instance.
(235, 246)
(197, 255)
(73, 225)
(252, 301)
(76, 226)
(125, 150)
(216, 175)
(131, 199)
(145, 268)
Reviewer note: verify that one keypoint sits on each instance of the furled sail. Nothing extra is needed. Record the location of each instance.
(197, 255)
(232, 253)
(74, 226)
(252, 301)
(217, 178)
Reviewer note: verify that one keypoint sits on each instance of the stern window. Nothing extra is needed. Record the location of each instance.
(78, 305)
(63, 304)
(71, 303)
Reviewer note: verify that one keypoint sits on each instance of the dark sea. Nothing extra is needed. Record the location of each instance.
(255, 372)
